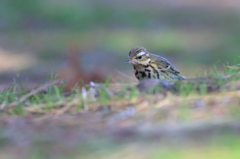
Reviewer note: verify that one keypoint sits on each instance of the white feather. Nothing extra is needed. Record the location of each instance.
(141, 53)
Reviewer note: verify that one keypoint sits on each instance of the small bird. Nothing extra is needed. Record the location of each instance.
(147, 65)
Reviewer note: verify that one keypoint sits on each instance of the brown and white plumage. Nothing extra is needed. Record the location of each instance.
(147, 65)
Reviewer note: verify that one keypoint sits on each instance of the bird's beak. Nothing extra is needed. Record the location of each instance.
(129, 61)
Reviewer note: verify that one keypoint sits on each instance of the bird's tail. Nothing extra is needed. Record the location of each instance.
(181, 77)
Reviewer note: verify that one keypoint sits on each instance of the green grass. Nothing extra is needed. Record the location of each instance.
(105, 95)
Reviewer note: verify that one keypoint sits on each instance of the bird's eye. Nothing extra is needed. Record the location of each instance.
(139, 57)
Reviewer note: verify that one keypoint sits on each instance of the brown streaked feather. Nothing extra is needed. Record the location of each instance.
(163, 63)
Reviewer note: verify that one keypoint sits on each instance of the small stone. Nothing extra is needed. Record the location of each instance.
(155, 85)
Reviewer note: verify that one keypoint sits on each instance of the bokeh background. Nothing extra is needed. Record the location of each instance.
(43, 39)
(194, 35)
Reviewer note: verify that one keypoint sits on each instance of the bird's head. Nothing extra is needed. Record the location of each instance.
(139, 56)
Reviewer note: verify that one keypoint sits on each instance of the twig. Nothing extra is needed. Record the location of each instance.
(84, 98)
(42, 106)
(124, 75)
(33, 92)
(206, 79)
(68, 106)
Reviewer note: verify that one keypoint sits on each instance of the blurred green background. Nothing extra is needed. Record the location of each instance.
(35, 36)
(193, 35)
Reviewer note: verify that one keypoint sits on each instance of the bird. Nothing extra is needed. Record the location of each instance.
(150, 66)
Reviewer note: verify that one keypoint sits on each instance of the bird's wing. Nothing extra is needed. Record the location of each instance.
(164, 64)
